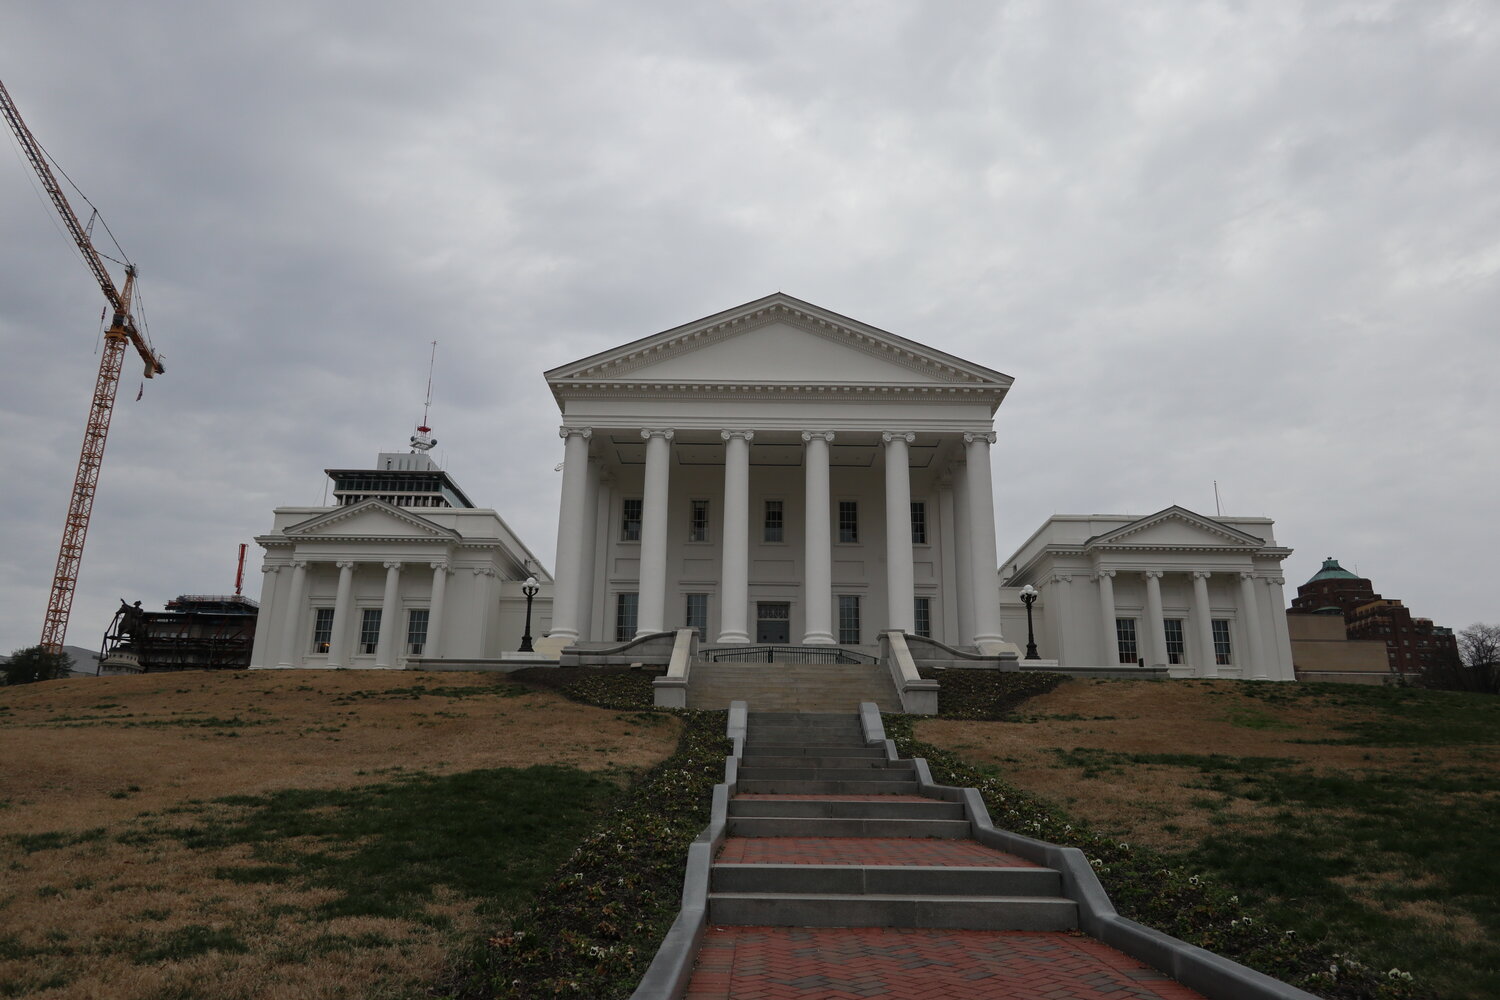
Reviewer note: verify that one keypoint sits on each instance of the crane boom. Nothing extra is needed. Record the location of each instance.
(121, 330)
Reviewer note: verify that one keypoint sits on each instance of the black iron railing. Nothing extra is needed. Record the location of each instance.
(784, 654)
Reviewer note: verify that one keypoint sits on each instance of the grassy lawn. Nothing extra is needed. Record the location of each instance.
(287, 834)
(1360, 819)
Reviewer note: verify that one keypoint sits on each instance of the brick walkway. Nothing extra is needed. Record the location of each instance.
(799, 963)
(929, 853)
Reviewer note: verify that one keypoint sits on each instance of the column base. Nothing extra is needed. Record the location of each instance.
(733, 639)
(818, 639)
(567, 635)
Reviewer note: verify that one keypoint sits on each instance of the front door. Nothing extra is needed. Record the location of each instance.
(773, 621)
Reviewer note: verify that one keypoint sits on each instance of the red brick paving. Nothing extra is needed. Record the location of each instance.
(806, 963)
(926, 852)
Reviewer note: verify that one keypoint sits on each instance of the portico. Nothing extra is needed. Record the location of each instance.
(1198, 596)
(777, 459)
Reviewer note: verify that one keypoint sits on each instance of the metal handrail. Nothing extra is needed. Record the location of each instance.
(784, 654)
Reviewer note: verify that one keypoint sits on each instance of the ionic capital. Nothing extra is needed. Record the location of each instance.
(1061, 578)
(1152, 574)
(485, 571)
(1247, 575)
(298, 564)
(440, 567)
(348, 564)
(665, 433)
(566, 432)
(270, 569)
(1104, 573)
(987, 436)
(820, 435)
(391, 565)
(1273, 581)
(1201, 574)
(727, 434)
(889, 436)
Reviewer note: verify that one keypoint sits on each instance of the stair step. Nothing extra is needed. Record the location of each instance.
(785, 750)
(793, 786)
(835, 761)
(990, 913)
(847, 809)
(846, 826)
(753, 772)
(888, 880)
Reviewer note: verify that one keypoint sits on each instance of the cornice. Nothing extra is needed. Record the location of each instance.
(766, 390)
(304, 529)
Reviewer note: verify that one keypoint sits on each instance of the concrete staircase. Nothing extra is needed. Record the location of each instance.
(792, 687)
(839, 838)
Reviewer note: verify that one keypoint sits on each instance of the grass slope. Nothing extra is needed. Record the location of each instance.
(308, 834)
(1358, 819)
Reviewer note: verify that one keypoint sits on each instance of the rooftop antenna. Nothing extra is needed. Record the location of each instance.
(423, 440)
(1218, 510)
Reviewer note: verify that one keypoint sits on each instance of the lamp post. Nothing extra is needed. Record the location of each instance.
(1028, 598)
(529, 588)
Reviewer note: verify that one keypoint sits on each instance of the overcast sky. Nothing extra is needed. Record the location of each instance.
(1253, 243)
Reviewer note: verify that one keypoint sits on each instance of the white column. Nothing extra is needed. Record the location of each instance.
(589, 547)
(1156, 630)
(984, 566)
(948, 553)
(963, 560)
(817, 571)
(899, 587)
(734, 588)
(1282, 656)
(571, 532)
(652, 602)
(337, 640)
(1208, 665)
(390, 615)
(1250, 615)
(291, 630)
(1060, 597)
(434, 647)
(1108, 636)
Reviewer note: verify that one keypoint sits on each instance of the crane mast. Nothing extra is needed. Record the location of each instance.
(122, 331)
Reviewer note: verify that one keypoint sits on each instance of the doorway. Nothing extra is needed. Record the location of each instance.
(773, 621)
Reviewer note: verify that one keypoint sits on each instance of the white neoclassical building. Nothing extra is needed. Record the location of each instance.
(777, 473)
(402, 568)
(1199, 596)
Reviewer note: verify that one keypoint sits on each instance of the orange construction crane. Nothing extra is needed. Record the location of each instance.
(121, 329)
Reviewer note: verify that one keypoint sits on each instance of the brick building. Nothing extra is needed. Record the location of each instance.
(1411, 643)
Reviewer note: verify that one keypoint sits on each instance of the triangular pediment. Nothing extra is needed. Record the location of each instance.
(1175, 527)
(777, 340)
(370, 519)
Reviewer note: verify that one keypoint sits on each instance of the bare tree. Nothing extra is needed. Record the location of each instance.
(1479, 645)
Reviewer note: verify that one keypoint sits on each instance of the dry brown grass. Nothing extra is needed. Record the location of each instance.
(95, 754)
(1154, 803)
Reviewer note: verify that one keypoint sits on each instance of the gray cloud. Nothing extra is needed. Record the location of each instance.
(1257, 244)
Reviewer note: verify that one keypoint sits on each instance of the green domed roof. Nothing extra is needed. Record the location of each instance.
(1332, 571)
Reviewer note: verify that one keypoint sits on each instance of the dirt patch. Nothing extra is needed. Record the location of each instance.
(98, 902)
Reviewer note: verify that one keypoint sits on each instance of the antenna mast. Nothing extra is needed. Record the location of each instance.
(423, 439)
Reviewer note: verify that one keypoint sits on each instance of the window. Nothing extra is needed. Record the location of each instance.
(775, 522)
(1175, 646)
(1221, 641)
(625, 616)
(1125, 640)
(630, 520)
(849, 521)
(322, 629)
(697, 615)
(849, 618)
(698, 523)
(416, 631)
(369, 630)
(922, 619)
(918, 522)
